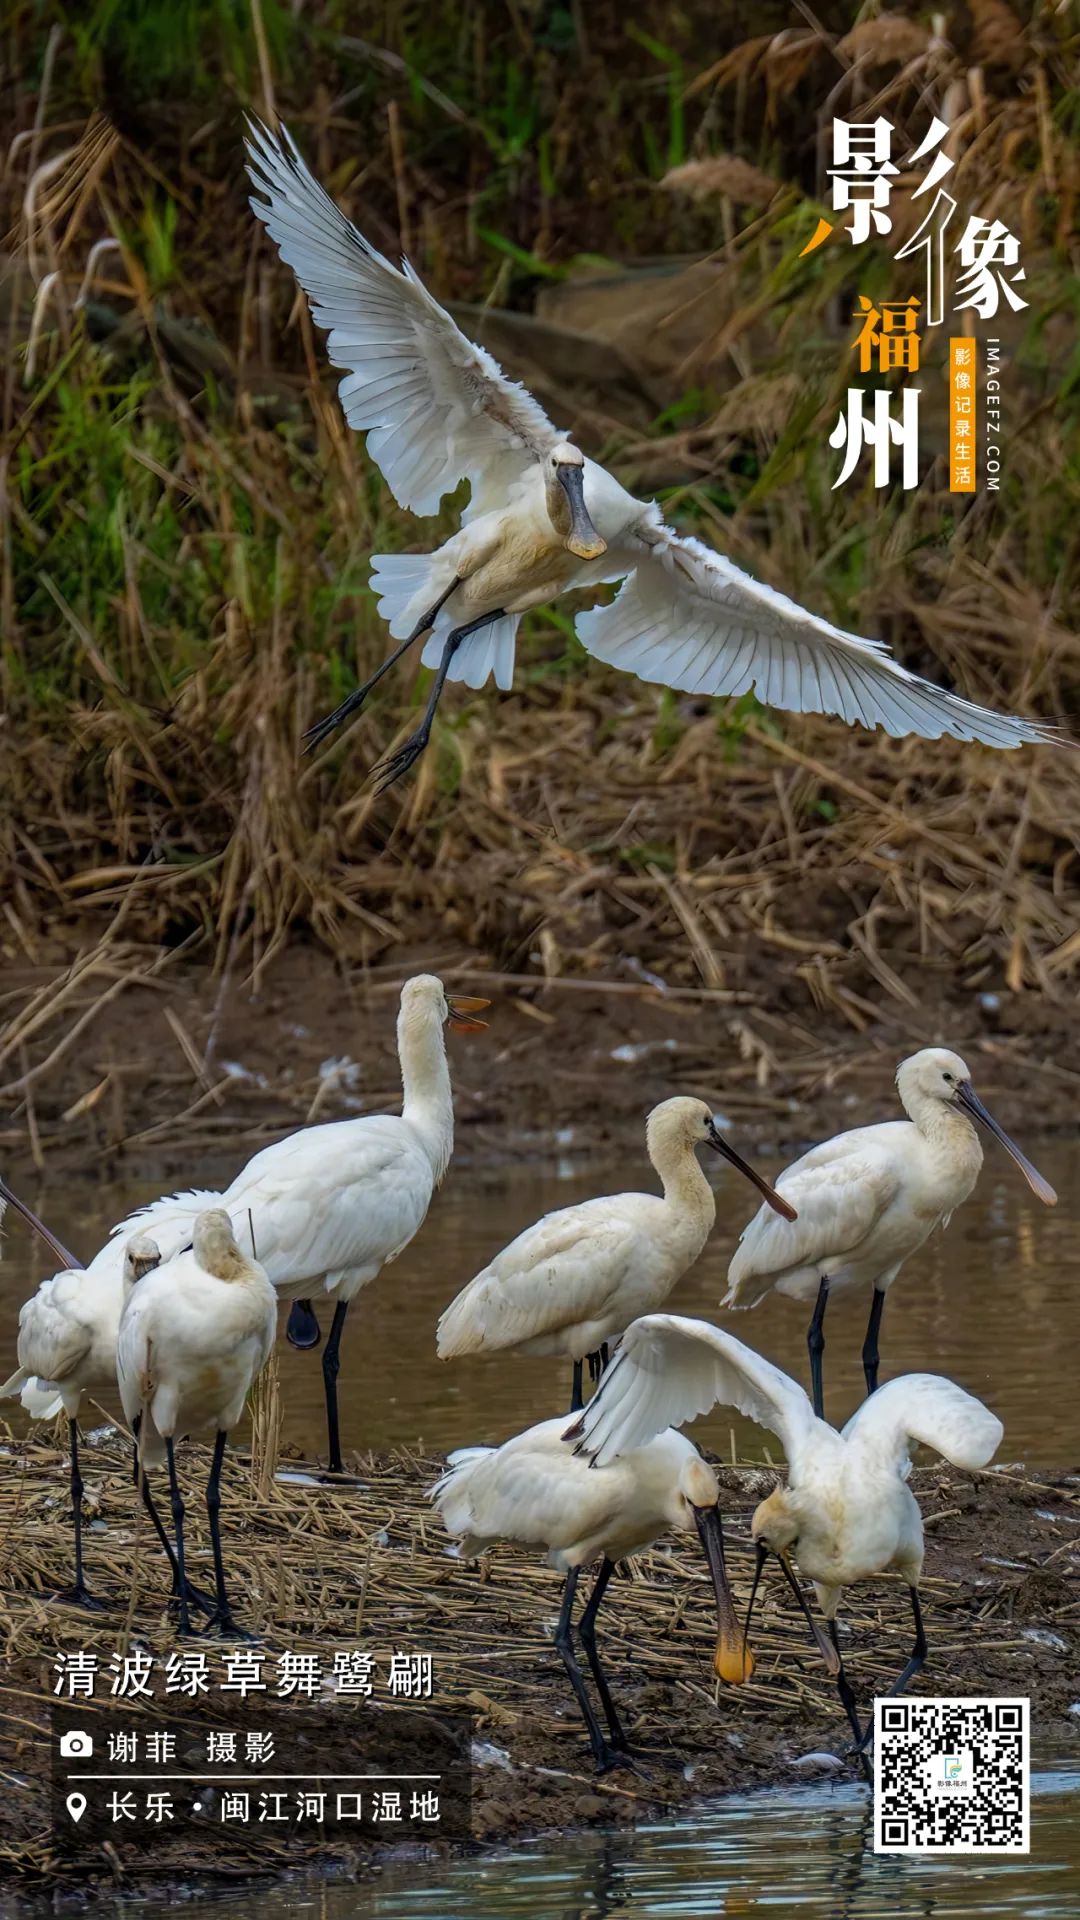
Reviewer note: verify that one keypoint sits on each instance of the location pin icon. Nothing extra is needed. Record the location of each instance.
(76, 1805)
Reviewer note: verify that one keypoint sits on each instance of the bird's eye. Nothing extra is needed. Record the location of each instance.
(950, 1080)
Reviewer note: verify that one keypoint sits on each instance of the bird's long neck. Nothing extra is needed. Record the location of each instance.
(425, 1080)
(946, 1130)
(686, 1190)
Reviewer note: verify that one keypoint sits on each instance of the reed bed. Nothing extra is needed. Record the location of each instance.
(314, 1566)
(185, 526)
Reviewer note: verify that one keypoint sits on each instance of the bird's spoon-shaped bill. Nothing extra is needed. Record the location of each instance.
(967, 1098)
(463, 1007)
(775, 1200)
(10, 1199)
(732, 1660)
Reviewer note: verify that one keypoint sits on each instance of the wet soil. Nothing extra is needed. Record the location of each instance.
(185, 1065)
(321, 1566)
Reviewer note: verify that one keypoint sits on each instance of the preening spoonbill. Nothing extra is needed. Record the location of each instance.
(847, 1512)
(327, 1206)
(573, 1281)
(535, 1490)
(865, 1200)
(194, 1337)
(542, 519)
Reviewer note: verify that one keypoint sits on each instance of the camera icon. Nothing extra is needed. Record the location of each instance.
(76, 1745)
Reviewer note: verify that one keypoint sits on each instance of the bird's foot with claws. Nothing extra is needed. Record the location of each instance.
(387, 771)
(79, 1596)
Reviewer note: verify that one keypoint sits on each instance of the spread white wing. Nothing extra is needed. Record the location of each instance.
(670, 1369)
(688, 618)
(925, 1407)
(436, 409)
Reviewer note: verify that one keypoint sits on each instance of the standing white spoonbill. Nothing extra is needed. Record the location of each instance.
(847, 1512)
(65, 1334)
(867, 1199)
(194, 1337)
(542, 520)
(535, 1490)
(573, 1281)
(328, 1206)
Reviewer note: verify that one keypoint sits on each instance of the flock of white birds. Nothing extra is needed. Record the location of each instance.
(179, 1308)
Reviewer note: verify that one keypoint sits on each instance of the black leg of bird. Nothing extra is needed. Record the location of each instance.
(222, 1617)
(604, 1755)
(870, 1344)
(315, 735)
(330, 1366)
(409, 752)
(196, 1598)
(78, 1595)
(577, 1394)
(177, 1505)
(847, 1701)
(587, 1636)
(815, 1341)
(302, 1328)
(918, 1651)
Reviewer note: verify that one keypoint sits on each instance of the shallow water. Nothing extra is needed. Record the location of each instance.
(994, 1303)
(805, 1850)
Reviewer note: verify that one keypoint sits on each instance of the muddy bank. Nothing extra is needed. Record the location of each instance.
(145, 1058)
(319, 1568)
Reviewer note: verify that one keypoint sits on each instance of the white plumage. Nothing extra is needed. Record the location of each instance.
(579, 1276)
(533, 1489)
(868, 1199)
(193, 1338)
(847, 1512)
(438, 410)
(324, 1209)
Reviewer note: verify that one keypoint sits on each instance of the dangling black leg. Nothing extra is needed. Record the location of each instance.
(78, 1595)
(587, 1636)
(318, 733)
(330, 1366)
(870, 1344)
(195, 1596)
(577, 1397)
(815, 1340)
(409, 752)
(222, 1617)
(178, 1528)
(847, 1701)
(302, 1329)
(604, 1755)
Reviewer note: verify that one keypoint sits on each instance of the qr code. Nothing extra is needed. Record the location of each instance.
(951, 1776)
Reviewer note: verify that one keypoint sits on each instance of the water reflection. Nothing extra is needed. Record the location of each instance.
(994, 1302)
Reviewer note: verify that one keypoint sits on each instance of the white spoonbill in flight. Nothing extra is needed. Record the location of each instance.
(326, 1207)
(867, 1199)
(543, 519)
(194, 1337)
(847, 1512)
(573, 1281)
(535, 1490)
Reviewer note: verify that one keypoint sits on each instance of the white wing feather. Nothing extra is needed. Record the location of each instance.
(839, 1190)
(436, 408)
(562, 1271)
(924, 1407)
(668, 1370)
(688, 618)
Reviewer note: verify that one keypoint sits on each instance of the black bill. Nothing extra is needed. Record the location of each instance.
(584, 539)
(776, 1200)
(968, 1099)
(732, 1659)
